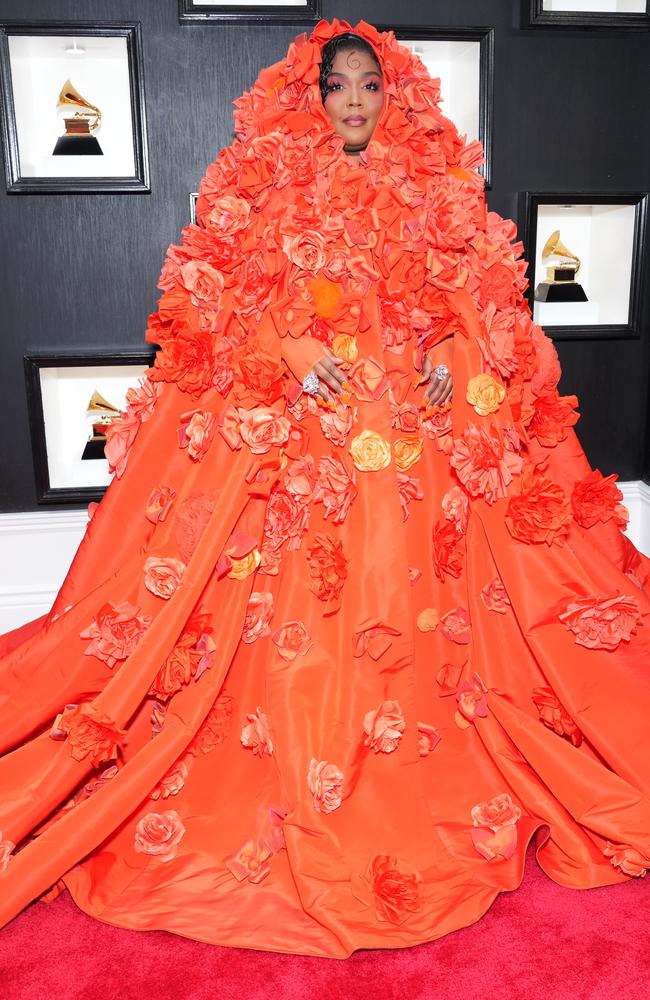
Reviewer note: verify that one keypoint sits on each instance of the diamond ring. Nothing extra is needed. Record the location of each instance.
(441, 372)
(311, 384)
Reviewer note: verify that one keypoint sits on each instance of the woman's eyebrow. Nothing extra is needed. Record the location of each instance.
(368, 72)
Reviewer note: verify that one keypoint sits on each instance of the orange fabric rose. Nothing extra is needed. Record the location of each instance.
(407, 452)
(485, 394)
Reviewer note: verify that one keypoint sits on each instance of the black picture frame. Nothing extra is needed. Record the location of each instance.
(534, 16)
(46, 493)
(529, 202)
(189, 12)
(139, 182)
(484, 35)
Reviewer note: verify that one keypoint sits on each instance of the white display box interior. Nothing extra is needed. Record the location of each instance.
(595, 6)
(98, 67)
(602, 236)
(457, 64)
(66, 393)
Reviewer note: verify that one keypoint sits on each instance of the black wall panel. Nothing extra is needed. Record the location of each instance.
(571, 113)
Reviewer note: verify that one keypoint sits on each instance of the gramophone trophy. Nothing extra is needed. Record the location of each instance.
(78, 140)
(102, 413)
(560, 284)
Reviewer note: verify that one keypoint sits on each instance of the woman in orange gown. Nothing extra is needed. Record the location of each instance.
(332, 652)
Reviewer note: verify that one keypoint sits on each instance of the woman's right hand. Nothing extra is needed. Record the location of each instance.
(308, 354)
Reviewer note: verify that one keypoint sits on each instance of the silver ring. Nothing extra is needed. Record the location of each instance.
(441, 372)
(311, 384)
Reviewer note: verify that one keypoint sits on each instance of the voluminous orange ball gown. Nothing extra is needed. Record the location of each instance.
(316, 676)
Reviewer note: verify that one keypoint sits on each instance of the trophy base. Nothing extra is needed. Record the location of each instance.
(561, 291)
(94, 449)
(77, 145)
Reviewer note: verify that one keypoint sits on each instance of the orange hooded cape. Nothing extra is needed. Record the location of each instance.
(317, 672)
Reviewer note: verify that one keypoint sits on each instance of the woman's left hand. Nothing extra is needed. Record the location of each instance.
(438, 391)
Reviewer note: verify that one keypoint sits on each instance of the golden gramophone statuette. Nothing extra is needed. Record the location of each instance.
(78, 139)
(560, 284)
(102, 413)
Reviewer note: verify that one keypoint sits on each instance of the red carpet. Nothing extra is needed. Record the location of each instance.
(538, 941)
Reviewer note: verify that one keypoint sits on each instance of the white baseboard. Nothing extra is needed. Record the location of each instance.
(37, 548)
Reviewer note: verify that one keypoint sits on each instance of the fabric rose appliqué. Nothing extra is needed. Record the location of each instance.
(159, 834)
(602, 624)
(555, 716)
(391, 886)
(628, 860)
(115, 632)
(325, 782)
(384, 727)
(162, 575)
(88, 732)
(495, 836)
(257, 733)
(370, 451)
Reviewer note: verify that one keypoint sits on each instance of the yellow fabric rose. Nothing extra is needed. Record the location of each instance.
(407, 452)
(370, 451)
(345, 347)
(241, 568)
(485, 394)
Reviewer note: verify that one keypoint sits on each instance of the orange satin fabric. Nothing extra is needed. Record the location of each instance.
(217, 827)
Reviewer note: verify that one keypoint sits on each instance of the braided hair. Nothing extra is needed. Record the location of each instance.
(341, 43)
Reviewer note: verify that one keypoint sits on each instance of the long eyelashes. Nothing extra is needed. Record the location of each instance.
(334, 86)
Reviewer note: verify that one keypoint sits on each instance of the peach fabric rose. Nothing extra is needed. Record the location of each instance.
(336, 424)
(428, 738)
(335, 487)
(495, 597)
(204, 282)
(486, 461)
(216, 725)
(228, 215)
(325, 782)
(485, 394)
(162, 575)
(159, 503)
(250, 861)
(555, 716)
(472, 702)
(196, 432)
(496, 813)
(407, 452)
(384, 727)
(604, 623)
(115, 631)
(292, 640)
(159, 835)
(262, 429)
(455, 626)
(428, 620)
(372, 636)
(628, 860)
(6, 849)
(120, 435)
(172, 782)
(257, 733)
(410, 488)
(455, 507)
(259, 612)
(370, 451)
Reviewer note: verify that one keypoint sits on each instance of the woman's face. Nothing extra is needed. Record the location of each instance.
(355, 99)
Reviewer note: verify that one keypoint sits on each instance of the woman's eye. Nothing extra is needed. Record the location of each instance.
(374, 85)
